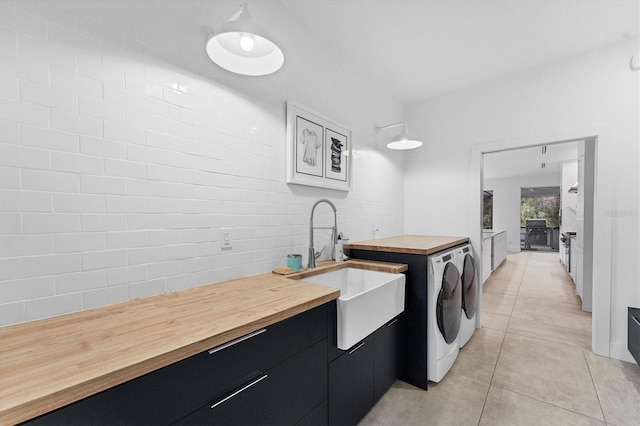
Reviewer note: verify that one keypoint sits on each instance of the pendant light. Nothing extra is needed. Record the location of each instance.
(402, 141)
(244, 47)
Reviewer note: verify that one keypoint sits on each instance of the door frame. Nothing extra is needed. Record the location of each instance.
(602, 136)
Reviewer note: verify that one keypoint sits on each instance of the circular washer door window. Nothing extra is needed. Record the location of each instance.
(449, 304)
(469, 286)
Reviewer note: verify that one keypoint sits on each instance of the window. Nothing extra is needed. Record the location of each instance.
(487, 210)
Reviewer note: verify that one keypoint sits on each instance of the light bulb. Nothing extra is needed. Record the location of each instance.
(246, 42)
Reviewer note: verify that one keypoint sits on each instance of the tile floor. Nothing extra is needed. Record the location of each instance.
(530, 364)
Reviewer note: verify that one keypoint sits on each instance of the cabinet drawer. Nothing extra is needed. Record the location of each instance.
(283, 395)
(168, 394)
(227, 366)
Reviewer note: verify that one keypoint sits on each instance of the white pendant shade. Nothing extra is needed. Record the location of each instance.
(402, 141)
(243, 47)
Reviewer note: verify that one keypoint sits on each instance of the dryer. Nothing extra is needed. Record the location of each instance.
(444, 305)
(469, 278)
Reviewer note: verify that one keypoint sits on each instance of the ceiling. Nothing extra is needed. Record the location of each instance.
(411, 49)
(527, 161)
(419, 49)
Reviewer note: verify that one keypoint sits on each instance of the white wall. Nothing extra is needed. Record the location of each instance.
(118, 167)
(596, 88)
(506, 202)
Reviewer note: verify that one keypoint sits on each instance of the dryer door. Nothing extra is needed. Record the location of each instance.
(449, 303)
(469, 286)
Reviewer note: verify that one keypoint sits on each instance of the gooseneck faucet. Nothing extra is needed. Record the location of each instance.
(334, 228)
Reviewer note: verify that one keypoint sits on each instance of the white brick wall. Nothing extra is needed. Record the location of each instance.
(118, 169)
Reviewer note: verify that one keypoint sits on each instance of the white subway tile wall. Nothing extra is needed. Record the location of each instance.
(117, 170)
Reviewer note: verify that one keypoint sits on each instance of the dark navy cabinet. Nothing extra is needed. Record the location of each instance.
(292, 354)
(282, 395)
(362, 374)
(388, 355)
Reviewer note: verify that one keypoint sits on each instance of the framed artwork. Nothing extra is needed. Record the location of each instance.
(318, 150)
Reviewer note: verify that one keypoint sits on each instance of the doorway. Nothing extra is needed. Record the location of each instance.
(596, 173)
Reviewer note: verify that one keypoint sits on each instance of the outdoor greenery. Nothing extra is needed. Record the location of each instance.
(487, 213)
(546, 207)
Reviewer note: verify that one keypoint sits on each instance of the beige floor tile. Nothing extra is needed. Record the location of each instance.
(536, 302)
(562, 314)
(547, 284)
(496, 285)
(547, 371)
(508, 408)
(477, 359)
(404, 404)
(548, 275)
(496, 303)
(563, 296)
(550, 332)
(495, 321)
(508, 273)
(618, 387)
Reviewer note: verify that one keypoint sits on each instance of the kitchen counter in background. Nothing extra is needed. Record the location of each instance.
(494, 251)
(410, 244)
(490, 233)
(53, 362)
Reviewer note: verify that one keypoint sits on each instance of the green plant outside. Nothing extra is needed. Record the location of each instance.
(547, 207)
(487, 213)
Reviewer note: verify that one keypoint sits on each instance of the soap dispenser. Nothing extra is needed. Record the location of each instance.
(339, 250)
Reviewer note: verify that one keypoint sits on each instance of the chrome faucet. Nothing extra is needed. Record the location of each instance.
(334, 228)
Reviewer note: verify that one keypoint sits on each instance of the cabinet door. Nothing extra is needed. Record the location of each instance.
(283, 395)
(351, 384)
(389, 355)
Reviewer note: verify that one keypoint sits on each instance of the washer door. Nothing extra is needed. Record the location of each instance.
(469, 286)
(449, 303)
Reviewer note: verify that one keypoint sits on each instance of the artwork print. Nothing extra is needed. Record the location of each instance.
(336, 152)
(309, 137)
(318, 149)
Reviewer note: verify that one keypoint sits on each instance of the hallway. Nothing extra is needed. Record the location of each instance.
(530, 364)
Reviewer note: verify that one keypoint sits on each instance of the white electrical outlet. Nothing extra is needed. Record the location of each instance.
(225, 238)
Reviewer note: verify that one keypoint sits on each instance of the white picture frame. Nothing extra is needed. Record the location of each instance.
(318, 150)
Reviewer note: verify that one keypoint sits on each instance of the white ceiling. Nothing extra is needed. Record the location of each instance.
(418, 49)
(527, 161)
(411, 49)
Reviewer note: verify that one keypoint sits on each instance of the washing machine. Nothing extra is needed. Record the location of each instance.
(469, 278)
(444, 305)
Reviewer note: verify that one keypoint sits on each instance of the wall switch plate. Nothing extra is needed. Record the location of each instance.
(225, 238)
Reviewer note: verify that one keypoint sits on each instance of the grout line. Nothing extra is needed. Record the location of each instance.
(594, 384)
(504, 336)
(552, 404)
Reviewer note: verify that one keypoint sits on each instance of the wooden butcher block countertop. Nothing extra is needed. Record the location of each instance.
(412, 244)
(53, 362)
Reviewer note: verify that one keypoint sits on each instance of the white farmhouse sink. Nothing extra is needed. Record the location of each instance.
(368, 299)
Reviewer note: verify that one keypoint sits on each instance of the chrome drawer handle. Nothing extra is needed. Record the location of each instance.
(238, 340)
(356, 348)
(636, 320)
(239, 390)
